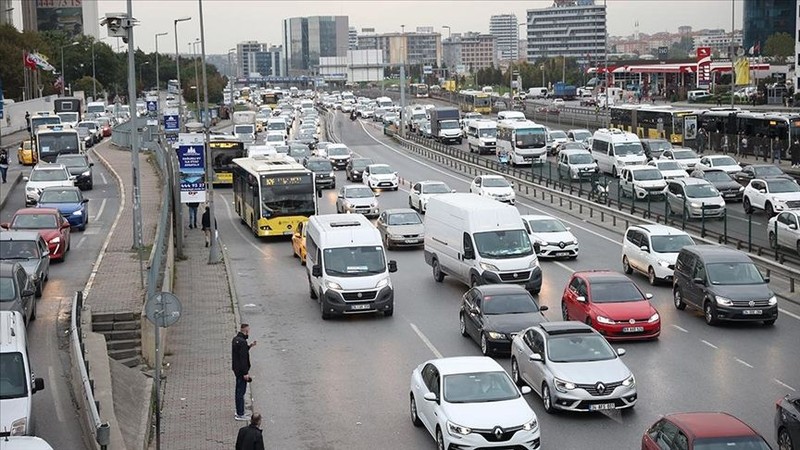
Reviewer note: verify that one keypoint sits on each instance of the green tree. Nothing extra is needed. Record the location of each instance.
(779, 46)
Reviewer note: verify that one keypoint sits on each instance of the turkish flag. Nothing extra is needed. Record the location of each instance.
(29, 62)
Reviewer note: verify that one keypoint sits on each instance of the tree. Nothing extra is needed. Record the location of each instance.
(779, 46)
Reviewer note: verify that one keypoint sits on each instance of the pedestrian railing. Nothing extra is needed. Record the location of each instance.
(158, 253)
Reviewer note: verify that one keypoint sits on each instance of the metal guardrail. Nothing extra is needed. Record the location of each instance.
(155, 270)
(102, 430)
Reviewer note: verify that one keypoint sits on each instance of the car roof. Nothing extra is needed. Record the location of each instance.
(639, 167)
(19, 235)
(22, 211)
(568, 327)
(354, 186)
(431, 182)
(61, 188)
(466, 364)
(491, 176)
(499, 289)
(7, 268)
(717, 253)
(717, 156)
(700, 425)
(602, 275)
(575, 151)
(49, 166)
(399, 211)
(659, 230)
(688, 181)
(379, 164)
(538, 217)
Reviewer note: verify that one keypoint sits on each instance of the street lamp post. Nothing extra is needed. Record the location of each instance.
(141, 79)
(158, 78)
(511, 70)
(63, 75)
(605, 47)
(178, 69)
(230, 79)
(196, 76)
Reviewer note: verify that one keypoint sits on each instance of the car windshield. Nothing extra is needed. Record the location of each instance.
(353, 261)
(338, 151)
(487, 132)
(83, 132)
(731, 443)
(579, 348)
(558, 135)
(509, 304)
(435, 188)
(782, 186)
(572, 146)
(503, 244)
(404, 218)
(299, 151)
(628, 149)
(581, 158)
(59, 196)
(380, 170)
(659, 146)
(701, 191)
(320, 166)
(615, 292)
(647, 175)
(274, 138)
(684, 154)
(768, 171)
(71, 160)
(360, 164)
(359, 192)
(717, 176)
(479, 387)
(581, 135)
(495, 182)
(670, 243)
(723, 161)
(48, 175)
(8, 292)
(733, 273)
(18, 249)
(89, 125)
(34, 221)
(14, 382)
(669, 165)
(546, 226)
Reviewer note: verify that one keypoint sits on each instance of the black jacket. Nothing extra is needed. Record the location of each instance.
(240, 355)
(205, 221)
(250, 438)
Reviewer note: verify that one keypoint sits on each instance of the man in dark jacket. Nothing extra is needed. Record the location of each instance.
(250, 437)
(240, 357)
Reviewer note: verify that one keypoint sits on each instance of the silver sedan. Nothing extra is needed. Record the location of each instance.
(401, 227)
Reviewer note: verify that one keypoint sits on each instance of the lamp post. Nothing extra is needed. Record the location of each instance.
(196, 76)
(94, 76)
(158, 78)
(178, 68)
(605, 48)
(141, 79)
(230, 79)
(511, 70)
(63, 76)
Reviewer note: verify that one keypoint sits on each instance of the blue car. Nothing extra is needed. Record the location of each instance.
(69, 202)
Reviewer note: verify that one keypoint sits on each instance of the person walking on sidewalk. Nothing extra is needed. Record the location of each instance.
(206, 222)
(701, 140)
(240, 357)
(250, 437)
(3, 164)
(777, 151)
(725, 144)
(795, 151)
(193, 214)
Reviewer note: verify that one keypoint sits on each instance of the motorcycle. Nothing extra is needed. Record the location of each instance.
(599, 192)
(502, 158)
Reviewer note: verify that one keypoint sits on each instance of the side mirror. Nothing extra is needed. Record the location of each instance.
(392, 266)
(46, 253)
(86, 200)
(763, 191)
(543, 308)
(73, 177)
(377, 194)
(648, 296)
(525, 390)
(25, 179)
(431, 397)
(581, 299)
(91, 164)
(338, 196)
(536, 357)
(699, 281)
(38, 384)
(469, 253)
(5, 225)
(28, 292)
(316, 271)
(792, 226)
(621, 352)
(319, 193)
(645, 248)
(65, 226)
(537, 247)
(679, 195)
(452, 191)
(766, 279)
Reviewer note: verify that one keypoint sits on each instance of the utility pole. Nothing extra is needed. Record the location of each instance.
(178, 70)
(158, 78)
(137, 211)
(403, 85)
(733, 54)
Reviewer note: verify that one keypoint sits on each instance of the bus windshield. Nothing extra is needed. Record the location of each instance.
(482, 101)
(223, 153)
(531, 138)
(287, 194)
(52, 144)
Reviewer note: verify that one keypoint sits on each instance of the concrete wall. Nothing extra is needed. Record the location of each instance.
(14, 119)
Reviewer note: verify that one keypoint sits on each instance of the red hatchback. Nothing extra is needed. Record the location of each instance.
(54, 228)
(612, 304)
(702, 431)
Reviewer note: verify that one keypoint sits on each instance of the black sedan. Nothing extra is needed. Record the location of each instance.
(493, 314)
(79, 167)
(355, 168)
(761, 171)
(727, 186)
(787, 423)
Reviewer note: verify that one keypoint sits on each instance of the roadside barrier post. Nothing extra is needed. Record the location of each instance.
(619, 196)
(684, 213)
(774, 241)
(750, 232)
(725, 226)
(648, 206)
(702, 219)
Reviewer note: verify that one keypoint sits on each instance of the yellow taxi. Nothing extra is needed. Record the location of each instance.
(299, 243)
(26, 155)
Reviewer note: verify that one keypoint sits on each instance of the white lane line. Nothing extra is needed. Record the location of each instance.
(100, 211)
(742, 362)
(80, 243)
(103, 176)
(680, 328)
(56, 398)
(238, 230)
(563, 266)
(788, 313)
(709, 344)
(426, 341)
(784, 385)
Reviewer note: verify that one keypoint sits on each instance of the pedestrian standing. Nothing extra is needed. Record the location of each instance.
(743, 144)
(205, 221)
(701, 140)
(193, 214)
(3, 164)
(776, 151)
(725, 144)
(795, 150)
(240, 358)
(28, 121)
(250, 437)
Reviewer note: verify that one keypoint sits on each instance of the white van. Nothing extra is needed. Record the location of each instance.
(510, 115)
(537, 92)
(277, 124)
(18, 382)
(346, 266)
(24, 443)
(384, 102)
(482, 136)
(613, 149)
(477, 240)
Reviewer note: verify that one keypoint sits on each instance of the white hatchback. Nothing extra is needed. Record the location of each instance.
(550, 237)
(45, 175)
(422, 191)
(380, 176)
(493, 186)
(720, 162)
(653, 250)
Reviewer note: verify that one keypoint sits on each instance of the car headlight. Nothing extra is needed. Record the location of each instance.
(696, 205)
(495, 335)
(563, 386)
(629, 382)
(664, 264)
(530, 425)
(741, 188)
(19, 427)
(383, 283)
(457, 430)
(55, 240)
(654, 318)
(333, 285)
(489, 267)
(77, 212)
(723, 301)
(86, 174)
(773, 301)
(331, 174)
(30, 189)
(395, 236)
(533, 264)
(605, 320)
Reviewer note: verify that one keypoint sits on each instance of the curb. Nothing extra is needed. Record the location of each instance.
(11, 187)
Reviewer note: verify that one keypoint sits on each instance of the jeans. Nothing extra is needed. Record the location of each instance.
(193, 217)
(241, 388)
(3, 172)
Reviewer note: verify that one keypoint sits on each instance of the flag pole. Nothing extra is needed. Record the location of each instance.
(733, 55)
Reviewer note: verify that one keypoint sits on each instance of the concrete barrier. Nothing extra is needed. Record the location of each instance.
(15, 113)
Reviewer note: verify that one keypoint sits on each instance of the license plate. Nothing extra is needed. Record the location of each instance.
(288, 232)
(729, 195)
(561, 253)
(412, 241)
(752, 312)
(360, 307)
(601, 407)
(633, 329)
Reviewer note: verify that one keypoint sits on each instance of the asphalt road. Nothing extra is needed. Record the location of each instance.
(54, 412)
(344, 383)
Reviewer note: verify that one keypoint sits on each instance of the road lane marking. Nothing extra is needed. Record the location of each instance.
(426, 341)
(563, 266)
(742, 362)
(80, 242)
(100, 210)
(709, 344)
(237, 228)
(788, 313)
(56, 398)
(680, 328)
(103, 176)
(784, 385)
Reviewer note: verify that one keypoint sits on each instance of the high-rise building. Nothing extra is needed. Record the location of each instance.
(306, 39)
(505, 28)
(570, 28)
(6, 12)
(473, 50)
(763, 18)
(72, 17)
(352, 38)
(423, 46)
(259, 59)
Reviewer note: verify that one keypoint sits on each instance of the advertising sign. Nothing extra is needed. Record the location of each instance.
(689, 128)
(152, 105)
(427, 70)
(191, 160)
(703, 67)
(172, 122)
(60, 15)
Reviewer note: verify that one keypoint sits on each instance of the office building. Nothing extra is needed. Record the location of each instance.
(505, 28)
(352, 38)
(73, 17)
(307, 39)
(570, 28)
(763, 18)
(473, 50)
(256, 59)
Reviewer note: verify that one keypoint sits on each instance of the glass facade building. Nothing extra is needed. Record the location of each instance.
(763, 18)
(306, 39)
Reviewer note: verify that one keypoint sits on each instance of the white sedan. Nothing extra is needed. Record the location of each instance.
(470, 402)
(784, 230)
(422, 191)
(553, 238)
(493, 186)
(686, 157)
(380, 176)
(721, 162)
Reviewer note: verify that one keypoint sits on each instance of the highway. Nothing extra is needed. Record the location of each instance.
(344, 383)
(54, 412)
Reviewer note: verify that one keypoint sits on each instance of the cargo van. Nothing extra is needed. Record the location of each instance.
(477, 241)
(510, 115)
(613, 149)
(19, 383)
(482, 136)
(346, 266)
(537, 92)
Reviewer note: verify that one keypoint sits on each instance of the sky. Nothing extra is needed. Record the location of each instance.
(228, 22)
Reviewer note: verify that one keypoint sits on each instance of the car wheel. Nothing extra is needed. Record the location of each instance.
(39, 288)
(485, 350)
(414, 416)
(773, 242)
(474, 281)
(410, 203)
(388, 312)
(785, 440)
(386, 243)
(564, 312)
(626, 266)
(797, 249)
(462, 325)
(769, 209)
(311, 292)
(686, 215)
(614, 171)
(438, 275)
(651, 276)
(677, 300)
(419, 208)
(515, 373)
(547, 401)
(325, 315)
(33, 310)
(709, 313)
(748, 208)
(439, 439)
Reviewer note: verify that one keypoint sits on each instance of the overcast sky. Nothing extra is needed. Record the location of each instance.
(228, 22)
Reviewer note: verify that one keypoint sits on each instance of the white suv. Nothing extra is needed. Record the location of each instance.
(45, 175)
(640, 182)
(653, 250)
(771, 195)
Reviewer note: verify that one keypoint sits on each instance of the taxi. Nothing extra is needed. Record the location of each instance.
(26, 154)
(299, 243)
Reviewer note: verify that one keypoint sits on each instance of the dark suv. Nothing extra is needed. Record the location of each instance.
(723, 283)
(323, 172)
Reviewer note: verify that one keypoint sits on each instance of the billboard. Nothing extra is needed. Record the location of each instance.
(191, 160)
(703, 67)
(60, 15)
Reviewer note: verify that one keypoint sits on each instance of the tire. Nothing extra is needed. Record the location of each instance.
(748, 208)
(515, 373)
(485, 350)
(785, 440)
(614, 171)
(413, 409)
(325, 315)
(474, 281)
(386, 242)
(564, 312)
(410, 205)
(709, 313)
(547, 400)
(677, 300)
(686, 216)
(769, 209)
(626, 266)
(769, 323)
(311, 292)
(419, 208)
(33, 307)
(438, 275)
(439, 439)
(773, 242)
(462, 325)
(39, 289)
(651, 276)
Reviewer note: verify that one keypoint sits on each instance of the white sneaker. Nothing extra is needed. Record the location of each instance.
(242, 418)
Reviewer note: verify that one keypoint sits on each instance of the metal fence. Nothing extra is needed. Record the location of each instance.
(155, 272)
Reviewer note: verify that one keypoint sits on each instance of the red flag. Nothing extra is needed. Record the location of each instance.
(28, 61)
(59, 81)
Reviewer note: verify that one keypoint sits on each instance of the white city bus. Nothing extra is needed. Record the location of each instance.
(523, 140)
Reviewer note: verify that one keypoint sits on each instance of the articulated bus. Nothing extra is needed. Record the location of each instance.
(273, 194)
(784, 126)
(523, 140)
(271, 98)
(419, 90)
(476, 101)
(645, 121)
(54, 140)
(223, 151)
